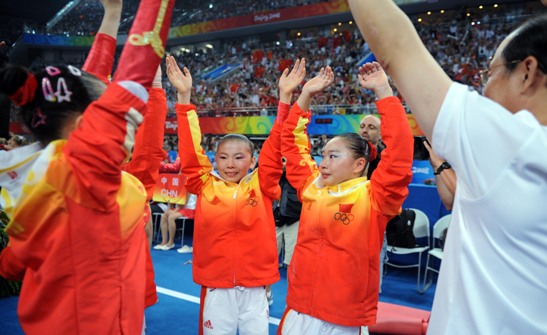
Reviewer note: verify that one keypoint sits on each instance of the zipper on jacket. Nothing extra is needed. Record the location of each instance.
(234, 232)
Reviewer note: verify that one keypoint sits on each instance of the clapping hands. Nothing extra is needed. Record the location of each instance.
(318, 83)
(289, 81)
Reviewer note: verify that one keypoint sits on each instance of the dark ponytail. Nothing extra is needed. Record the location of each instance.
(360, 148)
(49, 96)
(14, 81)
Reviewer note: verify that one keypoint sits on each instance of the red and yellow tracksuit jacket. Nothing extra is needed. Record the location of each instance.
(77, 228)
(77, 225)
(234, 231)
(145, 165)
(148, 150)
(334, 272)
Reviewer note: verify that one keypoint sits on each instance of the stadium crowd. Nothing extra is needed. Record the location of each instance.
(462, 41)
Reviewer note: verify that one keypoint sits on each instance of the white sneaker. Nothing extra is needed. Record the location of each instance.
(158, 247)
(185, 249)
(167, 247)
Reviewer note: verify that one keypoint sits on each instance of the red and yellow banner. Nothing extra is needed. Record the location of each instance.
(322, 8)
(261, 125)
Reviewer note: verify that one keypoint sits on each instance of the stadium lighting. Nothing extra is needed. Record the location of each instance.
(420, 20)
(298, 34)
(210, 46)
(495, 5)
(442, 11)
(335, 30)
(210, 6)
(468, 14)
(428, 13)
(481, 7)
(350, 22)
(339, 23)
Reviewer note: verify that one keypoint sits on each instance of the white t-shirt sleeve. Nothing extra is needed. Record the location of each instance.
(191, 202)
(479, 138)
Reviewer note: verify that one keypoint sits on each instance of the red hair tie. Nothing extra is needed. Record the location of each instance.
(25, 93)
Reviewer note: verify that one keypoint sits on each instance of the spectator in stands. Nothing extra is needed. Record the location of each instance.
(234, 235)
(72, 270)
(343, 213)
(492, 248)
(370, 130)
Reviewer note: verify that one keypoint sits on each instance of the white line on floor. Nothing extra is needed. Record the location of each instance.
(191, 298)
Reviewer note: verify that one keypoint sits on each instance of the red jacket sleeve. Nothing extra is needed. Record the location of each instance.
(394, 172)
(194, 162)
(148, 152)
(100, 59)
(11, 268)
(101, 143)
(269, 161)
(295, 147)
(170, 168)
(144, 49)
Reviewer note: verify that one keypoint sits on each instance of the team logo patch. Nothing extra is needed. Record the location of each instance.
(344, 214)
(252, 200)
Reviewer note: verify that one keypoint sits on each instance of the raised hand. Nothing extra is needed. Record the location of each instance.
(314, 86)
(111, 4)
(289, 81)
(157, 79)
(373, 77)
(181, 80)
(319, 82)
(111, 18)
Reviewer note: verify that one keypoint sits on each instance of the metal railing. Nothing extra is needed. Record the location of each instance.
(272, 111)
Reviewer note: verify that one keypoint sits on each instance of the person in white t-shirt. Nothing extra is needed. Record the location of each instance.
(494, 269)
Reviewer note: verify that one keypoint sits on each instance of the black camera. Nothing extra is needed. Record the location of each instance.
(420, 151)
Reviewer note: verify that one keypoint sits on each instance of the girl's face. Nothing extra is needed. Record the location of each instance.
(338, 164)
(234, 159)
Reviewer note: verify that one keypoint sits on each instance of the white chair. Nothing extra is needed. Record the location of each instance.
(439, 229)
(182, 220)
(421, 233)
(156, 219)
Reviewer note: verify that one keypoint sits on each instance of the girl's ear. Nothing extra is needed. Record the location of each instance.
(359, 166)
(78, 120)
(253, 162)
